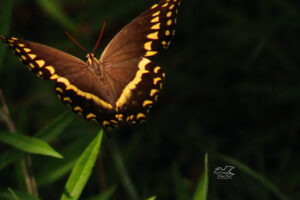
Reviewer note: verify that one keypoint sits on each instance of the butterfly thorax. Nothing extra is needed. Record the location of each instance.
(94, 64)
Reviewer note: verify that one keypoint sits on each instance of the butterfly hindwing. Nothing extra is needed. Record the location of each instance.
(146, 35)
(136, 89)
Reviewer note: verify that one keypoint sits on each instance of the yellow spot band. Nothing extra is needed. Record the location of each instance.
(154, 20)
(147, 45)
(153, 36)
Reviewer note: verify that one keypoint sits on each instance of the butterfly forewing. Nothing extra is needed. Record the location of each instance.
(146, 35)
(75, 83)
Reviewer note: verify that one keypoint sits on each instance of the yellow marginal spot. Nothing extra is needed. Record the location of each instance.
(78, 109)
(140, 116)
(160, 85)
(105, 123)
(169, 43)
(176, 11)
(11, 41)
(67, 99)
(165, 5)
(59, 97)
(169, 14)
(23, 57)
(167, 33)
(153, 36)
(156, 98)
(31, 65)
(154, 6)
(119, 117)
(11, 44)
(154, 20)
(173, 32)
(57, 89)
(40, 73)
(169, 22)
(156, 80)
(32, 56)
(40, 63)
(147, 103)
(156, 26)
(147, 45)
(126, 93)
(153, 92)
(163, 42)
(113, 121)
(156, 69)
(21, 45)
(18, 50)
(156, 14)
(90, 116)
(150, 53)
(14, 38)
(26, 49)
(50, 69)
(163, 75)
(54, 77)
(171, 7)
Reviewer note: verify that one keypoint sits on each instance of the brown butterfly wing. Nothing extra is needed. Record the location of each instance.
(75, 83)
(146, 35)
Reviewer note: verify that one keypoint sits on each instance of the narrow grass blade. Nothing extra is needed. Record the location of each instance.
(5, 14)
(181, 190)
(82, 170)
(11, 194)
(105, 195)
(53, 8)
(126, 181)
(255, 175)
(56, 127)
(9, 157)
(54, 169)
(28, 144)
(202, 188)
(151, 198)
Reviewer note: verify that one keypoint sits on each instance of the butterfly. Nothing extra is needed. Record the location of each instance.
(124, 83)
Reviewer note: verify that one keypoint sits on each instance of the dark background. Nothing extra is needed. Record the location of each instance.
(232, 88)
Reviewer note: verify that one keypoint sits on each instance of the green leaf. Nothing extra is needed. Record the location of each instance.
(255, 175)
(53, 8)
(82, 170)
(56, 127)
(5, 14)
(201, 191)
(28, 144)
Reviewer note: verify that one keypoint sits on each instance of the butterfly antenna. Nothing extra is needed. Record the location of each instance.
(77, 43)
(99, 38)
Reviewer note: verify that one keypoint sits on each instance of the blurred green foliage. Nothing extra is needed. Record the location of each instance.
(232, 87)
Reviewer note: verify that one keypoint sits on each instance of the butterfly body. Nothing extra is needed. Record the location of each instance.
(123, 84)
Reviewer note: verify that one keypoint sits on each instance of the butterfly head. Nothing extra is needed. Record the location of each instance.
(90, 58)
